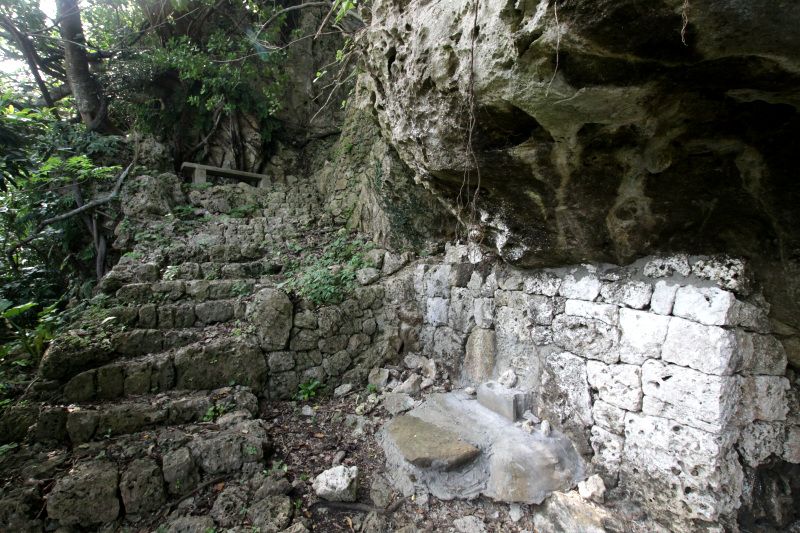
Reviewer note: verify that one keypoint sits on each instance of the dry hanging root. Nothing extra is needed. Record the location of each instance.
(685, 18)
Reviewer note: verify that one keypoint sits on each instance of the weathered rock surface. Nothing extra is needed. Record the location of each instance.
(454, 447)
(337, 484)
(587, 146)
(87, 495)
(427, 446)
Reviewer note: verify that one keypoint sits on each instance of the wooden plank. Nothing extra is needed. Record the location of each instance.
(207, 170)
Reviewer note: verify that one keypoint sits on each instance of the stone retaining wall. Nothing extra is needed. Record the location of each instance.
(664, 372)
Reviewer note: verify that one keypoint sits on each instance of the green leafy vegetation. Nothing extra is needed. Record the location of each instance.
(330, 276)
(308, 390)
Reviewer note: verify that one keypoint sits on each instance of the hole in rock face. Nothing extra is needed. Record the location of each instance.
(391, 56)
(504, 125)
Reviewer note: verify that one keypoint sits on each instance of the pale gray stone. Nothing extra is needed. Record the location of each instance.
(436, 311)
(608, 449)
(564, 397)
(592, 489)
(766, 398)
(507, 402)
(271, 312)
(483, 312)
(480, 355)
(587, 337)
(609, 416)
(663, 298)
(728, 272)
(86, 495)
(580, 286)
(635, 294)
(707, 305)
(710, 349)
(759, 440)
(367, 276)
(660, 454)
(544, 283)
(643, 335)
(604, 312)
(704, 401)
(618, 385)
(378, 377)
(337, 484)
(469, 524)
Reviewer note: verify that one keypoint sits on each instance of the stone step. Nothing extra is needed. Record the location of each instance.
(179, 290)
(69, 355)
(83, 422)
(180, 315)
(191, 271)
(133, 477)
(205, 364)
(454, 447)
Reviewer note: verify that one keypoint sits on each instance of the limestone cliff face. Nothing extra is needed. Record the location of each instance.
(603, 131)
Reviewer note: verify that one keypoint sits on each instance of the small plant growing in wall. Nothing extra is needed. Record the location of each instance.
(308, 390)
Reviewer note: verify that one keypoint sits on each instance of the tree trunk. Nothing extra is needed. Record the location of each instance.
(28, 50)
(85, 89)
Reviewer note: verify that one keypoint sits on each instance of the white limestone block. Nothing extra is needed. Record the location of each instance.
(663, 298)
(707, 305)
(717, 307)
(580, 286)
(695, 399)
(483, 311)
(599, 311)
(672, 466)
(436, 311)
(765, 398)
(618, 385)
(587, 337)
(635, 294)
(437, 281)
(544, 283)
(608, 449)
(609, 417)
(455, 253)
(710, 349)
(642, 335)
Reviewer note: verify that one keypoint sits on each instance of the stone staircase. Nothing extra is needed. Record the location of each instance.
(154, 393)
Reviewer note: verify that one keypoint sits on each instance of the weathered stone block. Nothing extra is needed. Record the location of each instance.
(604, 312)
(216, 311)
(618, 385)
(436, 311)
(663, 298)
(580, 286)
(710, 349)
(86, 495)
(280, 361)
(564, 398)
(544, 283)
(459, 314)
(661, 267)
(437, 281)
(765, 398)
(507, 402)
(609, 417)
(759, 440)
(635, 294)
(272, 313)
(483, 311)
(142, 487)
(480, 355)
(703, 401)
(425, 445)
(607, 458)
(643, 335)
(692, 473)
(587, 337)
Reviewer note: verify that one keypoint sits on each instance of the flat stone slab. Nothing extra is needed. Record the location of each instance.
(434, 448)
(506, 402)
(425, 445)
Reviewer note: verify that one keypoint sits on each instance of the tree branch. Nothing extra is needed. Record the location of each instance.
(69, 214)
